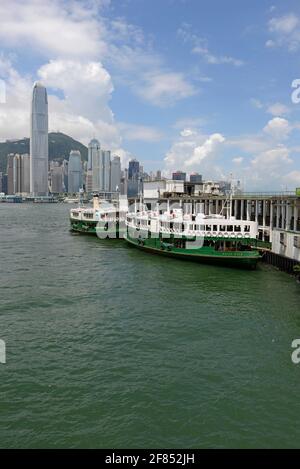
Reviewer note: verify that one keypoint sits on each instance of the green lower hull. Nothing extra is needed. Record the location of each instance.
(93, 228)
(240, 259)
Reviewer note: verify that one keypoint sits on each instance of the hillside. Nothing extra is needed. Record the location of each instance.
(60, 146)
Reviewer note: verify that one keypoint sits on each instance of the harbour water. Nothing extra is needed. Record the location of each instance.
(107, 346)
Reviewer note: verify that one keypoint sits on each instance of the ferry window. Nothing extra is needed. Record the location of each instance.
(202, 227)
(222, 228)
(215, 228)
(229, 228)
(297, 242)
(247, 228)
(237, 228)
(208, 227)
(282, 238)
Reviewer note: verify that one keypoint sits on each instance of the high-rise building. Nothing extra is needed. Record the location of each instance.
(39, 141)
(21, 174)
(18, 172)
(4, 183)
(89, 181)
(179, 176)
(93, 153)
(105, 171)
(56, 177)
(94, 156)
(25, 174)
(133, 169)
(158, 175)
(196, 178)
(124, 181)
(65, 165)
(10, 174)
(116, 174)
(74, 172)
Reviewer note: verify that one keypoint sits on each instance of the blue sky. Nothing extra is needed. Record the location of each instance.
(180, 84)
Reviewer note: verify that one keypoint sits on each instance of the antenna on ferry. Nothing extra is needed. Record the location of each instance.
(231, 195)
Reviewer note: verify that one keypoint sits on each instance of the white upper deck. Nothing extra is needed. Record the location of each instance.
(176, 222)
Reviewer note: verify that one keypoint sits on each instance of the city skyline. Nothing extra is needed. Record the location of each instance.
(174, 91)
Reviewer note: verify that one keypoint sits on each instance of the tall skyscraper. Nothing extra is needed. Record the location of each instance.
(56, 177)
(65, 165)
(21, 174)
(133, 169)
(4, 183)
(115, 178)
(93, 149)
(10, 174)
(39, 141)
(94, 156)
(124, 181)
(74, 172)
(105, 171)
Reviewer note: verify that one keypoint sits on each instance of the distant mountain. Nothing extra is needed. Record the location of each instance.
(60, 146)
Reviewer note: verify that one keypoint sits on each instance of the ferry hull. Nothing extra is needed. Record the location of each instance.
(83, 227)
(92, 228)
(243, 260)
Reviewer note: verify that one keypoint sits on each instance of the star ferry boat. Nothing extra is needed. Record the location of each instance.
(215, 239)
(106, 219)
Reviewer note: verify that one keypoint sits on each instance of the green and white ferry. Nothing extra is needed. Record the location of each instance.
(106, 219)
(212, 239)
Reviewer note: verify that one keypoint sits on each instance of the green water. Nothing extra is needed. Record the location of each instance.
(108, 346)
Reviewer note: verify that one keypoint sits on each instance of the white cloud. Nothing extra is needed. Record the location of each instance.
(189, 123)
(256, 103)
(238, 160)
(270, 43)
(278, 128)
(273, 159)
(262, 161)
(195, 152)
(87, 86)
(285, 31)
(140, 132)
(165, 88)
(284, 24)
(200, 47)
(59, 28)
(278, 109)
(77, 45)
(187, 132)
(206, 149)
(292, 179)
(14, 114)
